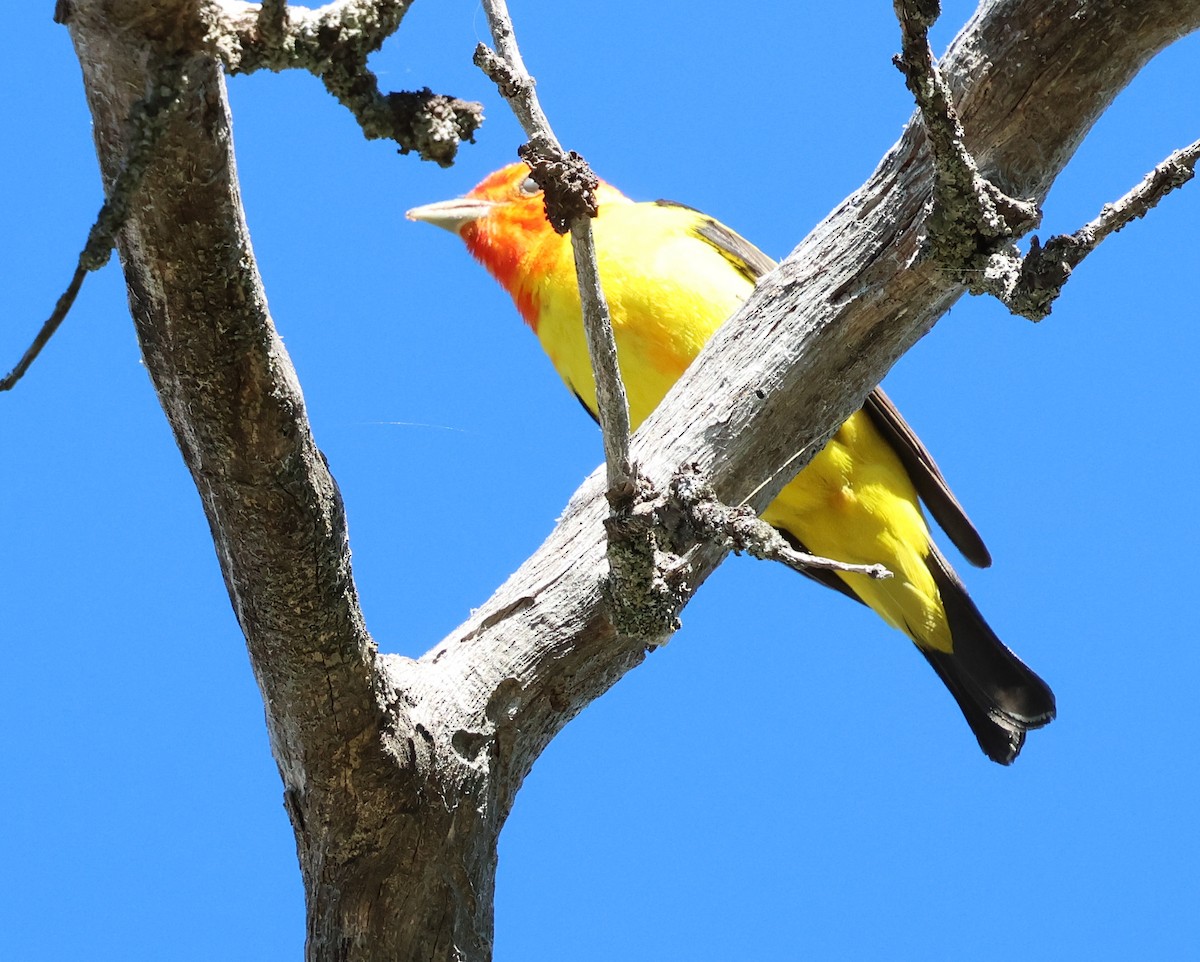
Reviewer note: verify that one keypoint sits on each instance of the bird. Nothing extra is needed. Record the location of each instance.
(672, 275)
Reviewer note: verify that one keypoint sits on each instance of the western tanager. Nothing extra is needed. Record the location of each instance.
(671, 276)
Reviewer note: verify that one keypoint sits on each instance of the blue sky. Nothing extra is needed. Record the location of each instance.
(786, 779)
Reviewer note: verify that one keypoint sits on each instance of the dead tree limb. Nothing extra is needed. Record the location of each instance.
(399, 773)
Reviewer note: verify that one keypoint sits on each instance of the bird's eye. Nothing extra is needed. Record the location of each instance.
(529, 188)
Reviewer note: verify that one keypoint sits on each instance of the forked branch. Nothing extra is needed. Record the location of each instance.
(973, 223)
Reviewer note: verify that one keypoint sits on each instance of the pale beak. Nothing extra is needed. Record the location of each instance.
(453, 215)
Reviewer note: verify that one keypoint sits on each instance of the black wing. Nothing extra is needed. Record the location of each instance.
(927, 478)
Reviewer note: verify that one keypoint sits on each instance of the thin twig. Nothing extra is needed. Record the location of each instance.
(1172, 173)
(602, 347)
(742, 530)
(1046, 268)
(505, 67)
(148, 120)
(507, 70)
(43, 336)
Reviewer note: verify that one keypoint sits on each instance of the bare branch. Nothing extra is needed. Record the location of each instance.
(973, 222)
(148, 119)
(743, 531)
(333, 43)
(59, 314)
(506, 69)
(568, 186)
(1046, 268)
(399, 773)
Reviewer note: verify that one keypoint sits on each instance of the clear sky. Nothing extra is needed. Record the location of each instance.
(786, 779)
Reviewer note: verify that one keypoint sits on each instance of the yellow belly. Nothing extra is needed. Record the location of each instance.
(854, 502)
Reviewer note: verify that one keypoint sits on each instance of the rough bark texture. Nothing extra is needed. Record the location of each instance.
(399, 774)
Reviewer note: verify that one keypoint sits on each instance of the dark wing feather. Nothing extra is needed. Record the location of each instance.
(999, 695)
(927, 478)
(744, 256)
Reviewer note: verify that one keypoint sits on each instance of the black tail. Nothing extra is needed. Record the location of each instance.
(1000, 696)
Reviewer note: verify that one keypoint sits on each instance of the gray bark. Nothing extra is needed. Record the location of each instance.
(399, 773)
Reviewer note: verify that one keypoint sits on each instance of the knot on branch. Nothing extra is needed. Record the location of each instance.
(644, 587)
(333, 44)
(567, 182)
(917, 14)
(434, 125)
(649, 542)
(1043, 273)
(972, 228)
(512, 84)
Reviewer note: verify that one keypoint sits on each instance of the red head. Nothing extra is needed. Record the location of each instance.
(503, 223)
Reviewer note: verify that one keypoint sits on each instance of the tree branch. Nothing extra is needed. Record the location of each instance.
(233, 401)
(333, 43)
(819, 332)
(1045, 270)
(742, 530)
(973, 222)
(147, 120)
(569, 187)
